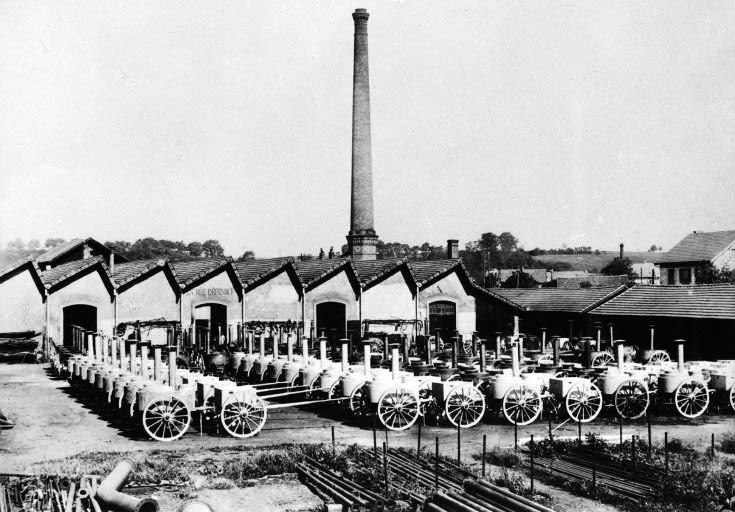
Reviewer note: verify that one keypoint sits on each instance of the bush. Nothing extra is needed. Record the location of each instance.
(728, 443)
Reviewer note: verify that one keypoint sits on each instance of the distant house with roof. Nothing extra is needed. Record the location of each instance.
(679, 265)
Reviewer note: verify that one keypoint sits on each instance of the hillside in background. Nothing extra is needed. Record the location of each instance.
(595, 262)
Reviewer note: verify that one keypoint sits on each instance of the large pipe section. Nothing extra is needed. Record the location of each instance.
(109, 496)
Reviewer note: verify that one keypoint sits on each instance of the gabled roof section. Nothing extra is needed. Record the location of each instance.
(18, 266)
(128, 274)
(314, 272)
(427, 272)
(190, 273)
(60, 250)
(56, 277)
(713, 301)
(254, 272)
(698, 247)
(562, 300)
(372, 272)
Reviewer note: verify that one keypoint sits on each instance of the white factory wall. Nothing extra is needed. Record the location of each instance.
(274, 300)
(389, 299)
(218, 289)
(149, 299)
(21, 304)
(335, 289)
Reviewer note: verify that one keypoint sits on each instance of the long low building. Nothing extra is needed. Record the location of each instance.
(210, 298)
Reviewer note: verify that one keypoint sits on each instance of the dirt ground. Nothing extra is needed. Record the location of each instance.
(53, 422)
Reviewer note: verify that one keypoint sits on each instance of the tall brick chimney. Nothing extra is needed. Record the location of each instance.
(361, 238)
(621, 251)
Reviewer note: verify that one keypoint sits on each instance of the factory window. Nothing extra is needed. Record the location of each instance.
(331, 321)
(211, 325)
(671, 274)
(685, 276)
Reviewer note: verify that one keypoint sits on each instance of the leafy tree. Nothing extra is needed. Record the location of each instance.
(519, 279)
(653, 248)
(709, 274)
(195, 249)
(50, 243)
(247, 256)
(618, 267)
(212, 249)
(33, 244)
(508, 243)
(16, 245)
(489, 242)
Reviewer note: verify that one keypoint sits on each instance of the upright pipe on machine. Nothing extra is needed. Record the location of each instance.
(289, 346)
(394, 366)
(305, 348)
(497, 345)
(366, 356)
(679, 354)
(483, 355)
(514, 360)
(157, 363)
(133, 355)
(345, 355)
(261, 340)
(620, 352)
(144, 358)
(172, 366)
(109, 496)
(556, 346)
(323, 351)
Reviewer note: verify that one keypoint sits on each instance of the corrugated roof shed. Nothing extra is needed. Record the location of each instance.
(699, 247)
(56, 275)
(251, 271)
(557, 299)
(189, 271)
(311, 271)
(370, 271)
(425, 271)
(126, 272)
(715, 301)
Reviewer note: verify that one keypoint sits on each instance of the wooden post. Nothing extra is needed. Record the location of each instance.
(484, 450)
(551, 434)
(648, 420)
(385, 466)
(666, 453)
(515, 435)
(459, 445)
(333, 443)
(532, 464)
(375, 439)
(436, 465)
(418, 443)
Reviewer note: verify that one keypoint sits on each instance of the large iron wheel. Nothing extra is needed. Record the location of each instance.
(243, 419)
(464, 406)
(398, 409)
(659, 355)
(358, 401)
(376, 345)
(602, 359)
(335, 390)
(631, 399)
(691, 398)
(583, 402)
(732, 397)
(166, 419)
(522, 405)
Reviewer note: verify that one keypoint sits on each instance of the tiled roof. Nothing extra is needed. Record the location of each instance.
(715, 301)
(427, 270)
(556, 299)
(189, 271)
(311, 271)
(15, 265)
(59, 250)
(56, 275)
(699, 247)
(370, 271)
(126, 272)
(251, 271)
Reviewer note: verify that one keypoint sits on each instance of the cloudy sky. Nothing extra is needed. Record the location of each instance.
(567, 122)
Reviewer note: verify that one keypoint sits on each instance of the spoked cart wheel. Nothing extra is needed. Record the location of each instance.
(398, 409)
(335, 390)
(732, 397)
(659, 355)
(691, 398)
(602, 359)
(241, 418)
(376, 345)
(166, 419)
(583, 402)
(631, 399)
(427, 402)
(522, 405)
(464, 406)
(358, 401)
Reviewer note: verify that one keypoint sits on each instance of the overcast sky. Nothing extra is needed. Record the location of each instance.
(574, 122)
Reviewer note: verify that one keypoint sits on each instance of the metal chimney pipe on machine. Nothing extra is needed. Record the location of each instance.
(516, 367)
(652, 328)
(394, 366)
(455, 348)
(556, 346)
(620, 352)
(345, 354)
(289, 346)
(113, 351)
(157, 365)
(483, 355)
(90, 346)
(498, 347)
(366, 351)
(305, 348)
(133, 354)
(323, 351)
(123, 357)
(261, 343)
(543, 339)
(144, 345)
(680, 354)
(275, 337)
(172, 366)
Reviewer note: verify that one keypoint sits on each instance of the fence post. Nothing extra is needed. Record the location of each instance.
(579, 432)
(459, 445)
(484, 450)
(666, 453)
(333, 443)
(418, 443)
(375, 439)
(621, 435)
(386, 438)
(713, 446)
(632, 447)
(594, 467)
(532, 464)
(515, 434)
(385, 466)
(436, 466)
(551, 435)
(648, 420)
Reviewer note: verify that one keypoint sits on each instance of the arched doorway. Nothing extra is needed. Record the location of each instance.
(331, 318)
(81, 315)
(210, 322)
(443, 316)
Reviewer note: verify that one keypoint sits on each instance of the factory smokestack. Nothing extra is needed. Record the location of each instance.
(621, 251)
(361, 239)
